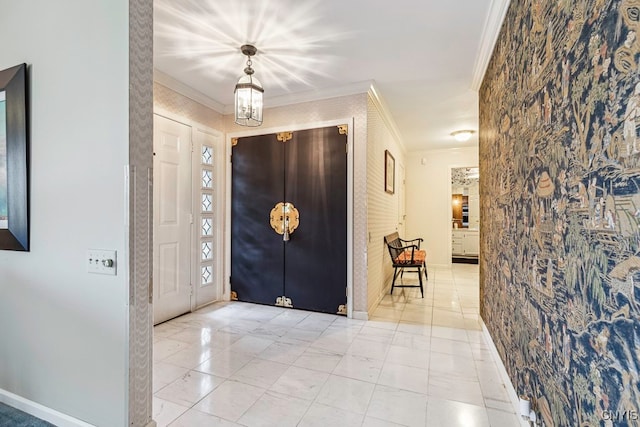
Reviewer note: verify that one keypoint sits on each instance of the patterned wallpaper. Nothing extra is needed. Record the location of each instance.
(382, 207)
(560, 192)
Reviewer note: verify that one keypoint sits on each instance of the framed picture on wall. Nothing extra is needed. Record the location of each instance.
(14, 187)
(389, 172)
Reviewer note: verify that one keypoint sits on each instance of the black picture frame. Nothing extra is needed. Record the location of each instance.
(389, 172)
(13, 81)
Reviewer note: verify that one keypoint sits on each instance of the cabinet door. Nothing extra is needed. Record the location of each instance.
(257, 252)
(471, 244)
(316, 254)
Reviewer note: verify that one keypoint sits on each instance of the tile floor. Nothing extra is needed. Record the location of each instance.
(417, 362)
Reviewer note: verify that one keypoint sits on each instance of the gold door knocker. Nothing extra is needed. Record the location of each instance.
(284, 219)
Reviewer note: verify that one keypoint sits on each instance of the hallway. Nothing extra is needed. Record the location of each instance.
(417, 362)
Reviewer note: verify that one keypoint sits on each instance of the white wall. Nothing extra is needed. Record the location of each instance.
(429, 198)
(63, 331)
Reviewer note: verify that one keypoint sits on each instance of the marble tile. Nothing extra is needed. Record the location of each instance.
(412, 341)
(453, 366)
(368, 348)
(450, 333)
(289, 318)
(164, 411)
(189, 388)
(224, 364)
(398, 406)
(260, 373)
(318, 359)
(166, 373)
(250, 345)
(359, 368)
(416, 358)
(375, 422)
(300, 382)
(190, 357)
(275, 410)
(194, 418)
(302, 334)
(283, 352)
(458, 390)
(453, 347)
(445, 413)
(322, 416)
(230, 400)
(502, 419)
(346, 393)
(418, 361)
(414, 328)
(166, 347)
(404, 377)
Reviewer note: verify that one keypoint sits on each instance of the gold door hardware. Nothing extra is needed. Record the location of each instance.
(343, 129)
(283, 301)
(342, 309)
(234, 296)
(284, 219)
(284, 136)
(234, 142)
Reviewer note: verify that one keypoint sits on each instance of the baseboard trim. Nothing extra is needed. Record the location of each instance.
(360, 315)
(513, 395)
(40, 411)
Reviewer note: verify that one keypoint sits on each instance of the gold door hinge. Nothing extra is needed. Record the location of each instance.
(234, 142)
(343, 129)
(284, 136)
(342, 309)
(283, 301)
(234, 296)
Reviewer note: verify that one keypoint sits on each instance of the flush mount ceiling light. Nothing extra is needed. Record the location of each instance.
(462, 135)
(248, 93)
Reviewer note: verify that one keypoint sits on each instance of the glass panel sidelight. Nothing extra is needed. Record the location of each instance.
(207, 155)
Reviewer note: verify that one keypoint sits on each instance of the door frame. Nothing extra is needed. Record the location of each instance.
(219, 212)
(292, 128)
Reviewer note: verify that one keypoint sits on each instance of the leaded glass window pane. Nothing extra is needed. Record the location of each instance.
(207, 178)
(207, 250)
(207, 155)
(206, 275)
(207, 202)
(207, 226)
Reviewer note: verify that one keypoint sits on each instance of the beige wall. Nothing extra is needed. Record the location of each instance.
(175, 103)
(429, 198)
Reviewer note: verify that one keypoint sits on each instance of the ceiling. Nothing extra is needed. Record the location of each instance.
(425, 58)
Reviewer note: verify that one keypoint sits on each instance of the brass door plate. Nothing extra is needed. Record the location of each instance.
(284, 213)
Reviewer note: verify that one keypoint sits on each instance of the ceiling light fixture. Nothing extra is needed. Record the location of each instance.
(248, 93)
(462, 135)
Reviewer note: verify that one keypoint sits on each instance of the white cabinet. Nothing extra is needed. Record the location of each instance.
(465, 243)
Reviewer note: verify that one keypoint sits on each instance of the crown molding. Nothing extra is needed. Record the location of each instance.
(311, 95)
(185, 90)
(382, 107)
(492, 25)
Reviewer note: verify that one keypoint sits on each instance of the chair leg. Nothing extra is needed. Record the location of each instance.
(426, 275)
(393, 282)
(420, 278)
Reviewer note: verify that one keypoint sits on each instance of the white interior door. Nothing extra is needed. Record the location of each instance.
(171, 219)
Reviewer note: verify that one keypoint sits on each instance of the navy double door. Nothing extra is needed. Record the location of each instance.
(307, 168)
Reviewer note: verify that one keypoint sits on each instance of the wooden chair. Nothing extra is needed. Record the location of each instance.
(406, 255)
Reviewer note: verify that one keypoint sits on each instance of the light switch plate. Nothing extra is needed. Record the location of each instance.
(101, 261)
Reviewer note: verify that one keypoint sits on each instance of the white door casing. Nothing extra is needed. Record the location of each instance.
(172, 219)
